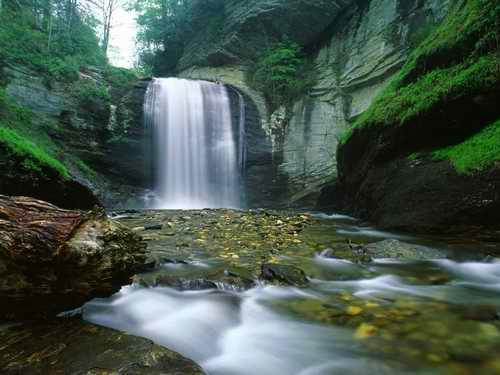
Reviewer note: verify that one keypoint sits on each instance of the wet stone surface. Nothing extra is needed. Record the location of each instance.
(71, 346)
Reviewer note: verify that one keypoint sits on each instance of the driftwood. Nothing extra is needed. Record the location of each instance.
(53, 259)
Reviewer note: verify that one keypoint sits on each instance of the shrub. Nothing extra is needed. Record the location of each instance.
(88, 91)
(120, 77)
(282, 74)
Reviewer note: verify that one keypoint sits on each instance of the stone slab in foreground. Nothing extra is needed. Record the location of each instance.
(71, 347)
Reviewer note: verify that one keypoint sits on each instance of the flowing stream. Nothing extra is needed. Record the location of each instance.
(388, 316)
(197, 153)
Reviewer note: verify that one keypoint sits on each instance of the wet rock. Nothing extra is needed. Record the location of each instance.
(480, 313)
(396, 249)
(55, 260)
(71, 346)
(173, 261)
(283, 274)
(327, 253)
(184, 284)
(353, 252)
(232, 281)
(153, 227)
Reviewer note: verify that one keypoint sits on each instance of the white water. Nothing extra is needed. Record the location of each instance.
(196, 155)
(230, 333)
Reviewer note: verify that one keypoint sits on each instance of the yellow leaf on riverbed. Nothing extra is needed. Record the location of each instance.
(365, 331)
(354, 310)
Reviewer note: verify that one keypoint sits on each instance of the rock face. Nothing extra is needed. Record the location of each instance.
(355, 51)
(53, 260)
(71, 346)
(235, 31)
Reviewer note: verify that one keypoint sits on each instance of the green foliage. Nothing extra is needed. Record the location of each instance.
(460, 58)
(56, 48)
(34, 157)
(282, 74)
(163, 27)
(476, 153)
(120, 77)
(87, 91)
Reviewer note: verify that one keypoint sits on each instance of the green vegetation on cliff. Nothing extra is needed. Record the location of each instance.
(34, 157)
(282, 74)
(22, 140)
(459, 59)
(477, 153)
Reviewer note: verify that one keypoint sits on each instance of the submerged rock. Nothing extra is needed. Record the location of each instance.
(153, 227)
(53, 260)
(284, 274)
(220, 279)
(401, 250)
(184, 284)
(71, 346)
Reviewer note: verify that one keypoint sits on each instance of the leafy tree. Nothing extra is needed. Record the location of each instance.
(163, 28)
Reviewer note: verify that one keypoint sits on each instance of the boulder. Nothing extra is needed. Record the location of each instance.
(71, 346)
(283, 274)
(53, 260)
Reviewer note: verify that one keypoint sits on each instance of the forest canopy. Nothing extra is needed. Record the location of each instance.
(54, 37)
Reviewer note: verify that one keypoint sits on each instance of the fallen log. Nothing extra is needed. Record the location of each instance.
(53, 260)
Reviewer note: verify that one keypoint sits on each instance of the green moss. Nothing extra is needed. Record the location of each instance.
(414, 156)
(476, 153)
(25, 141)
(459, 59)
(85, 168)
(35, 158)
(467, 79)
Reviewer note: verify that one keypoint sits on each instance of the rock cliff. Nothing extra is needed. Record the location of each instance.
(355, 48)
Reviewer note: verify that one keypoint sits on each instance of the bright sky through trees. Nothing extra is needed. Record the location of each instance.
(122, 44)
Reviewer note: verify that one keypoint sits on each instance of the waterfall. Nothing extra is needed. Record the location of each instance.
(197, 154)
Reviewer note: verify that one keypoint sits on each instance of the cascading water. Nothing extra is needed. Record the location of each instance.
(197, 154)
